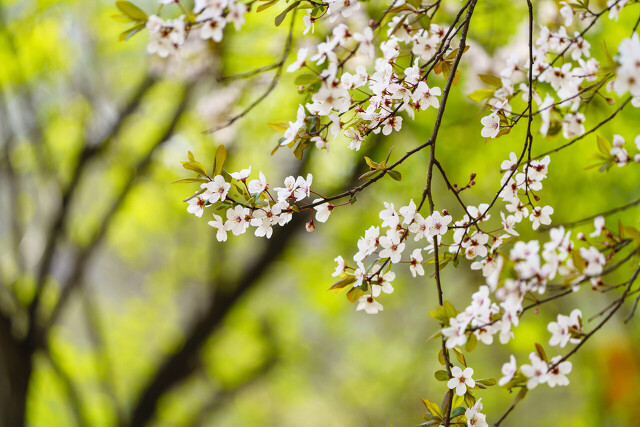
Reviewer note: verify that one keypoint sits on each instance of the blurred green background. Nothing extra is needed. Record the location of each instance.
(149, 295)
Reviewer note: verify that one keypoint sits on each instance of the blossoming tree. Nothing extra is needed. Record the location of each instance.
(378, 66)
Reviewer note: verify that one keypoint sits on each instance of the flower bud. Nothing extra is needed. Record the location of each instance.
(580, 236)
(310, 226)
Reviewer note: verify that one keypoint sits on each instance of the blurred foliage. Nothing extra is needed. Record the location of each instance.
(290, 353)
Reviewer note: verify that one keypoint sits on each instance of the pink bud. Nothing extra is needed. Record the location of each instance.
(310, 226)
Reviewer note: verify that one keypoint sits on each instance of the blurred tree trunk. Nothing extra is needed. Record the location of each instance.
(15, 374)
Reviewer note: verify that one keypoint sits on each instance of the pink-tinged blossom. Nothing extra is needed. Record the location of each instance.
(238, 220)
(369, 305)
(415, 265)
(213, 28)
(368, 243)
(491, 125)
(217, 189)
(558, 374)
(408, 212)
(594, 259)
(219, 225)
(474, 416)
(437, 224)
(392, 247)
(536, 372)
(340, 267)
(389, 216)
(425, 97)
(299, 62)
(242, 175)
(258, 185)
(455, 333)
(509, 369)
(383, 284)
(461, 380)
(540, 216)
(196, 206)
(323, 210)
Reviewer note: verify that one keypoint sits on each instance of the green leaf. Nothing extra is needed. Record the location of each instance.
(371, 163)
(441, 375)
(195, 167)
(460, 410)
(457, 400)
(394, 174)
(632, 233)
(190, 156)
(460, 356)
(487, 381)
(440, 315)
(441, 358)
(267, 5)
(279, 126)
(449, 310)
(490, 80)
(469, 399)
(299, 151)
(281, 17)
(305, 79)
(354, 294)
(343, 283)
(188, 180)
(429, 423)
(472, 342)
(433, 408)
(122, 18)
(604, 145)
(480, 94)
(131, 10)
(127, 34)
(368, 174)
(221, 157)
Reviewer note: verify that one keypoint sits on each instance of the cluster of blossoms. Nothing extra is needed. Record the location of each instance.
(387, 248)
(620, 155)
(253, 203)
(627, 79)
(483, 318)
(553, 372)
(211, 17)
(360, 103)
(354, 101)
(559, 87)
